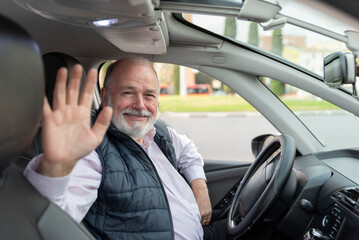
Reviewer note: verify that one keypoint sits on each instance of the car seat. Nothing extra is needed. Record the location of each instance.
(24, 213)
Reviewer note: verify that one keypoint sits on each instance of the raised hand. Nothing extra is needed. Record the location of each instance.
(67, 134)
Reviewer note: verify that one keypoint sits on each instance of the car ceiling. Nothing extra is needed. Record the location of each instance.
(141, 29)
(135, 32)
(347, 6)
(55, 36)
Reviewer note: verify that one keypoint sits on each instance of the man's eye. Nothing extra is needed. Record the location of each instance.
(127, 93)
(151, 95)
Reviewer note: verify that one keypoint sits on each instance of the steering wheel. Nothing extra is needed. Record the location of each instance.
(261, 186)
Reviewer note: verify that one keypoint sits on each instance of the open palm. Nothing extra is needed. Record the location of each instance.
(67, 134)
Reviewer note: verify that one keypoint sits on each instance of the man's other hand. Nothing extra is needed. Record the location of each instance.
(200, 191)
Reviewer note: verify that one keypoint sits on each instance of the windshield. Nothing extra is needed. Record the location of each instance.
(305, 49)
(297, 45)
(334, 127)
(302, 47)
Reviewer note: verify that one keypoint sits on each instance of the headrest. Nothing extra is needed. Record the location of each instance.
(53, 61)
(21, 91)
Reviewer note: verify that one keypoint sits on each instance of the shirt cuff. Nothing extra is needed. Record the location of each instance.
(193, 172)
(54, 189)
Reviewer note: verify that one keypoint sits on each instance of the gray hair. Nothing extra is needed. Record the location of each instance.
(112, 66)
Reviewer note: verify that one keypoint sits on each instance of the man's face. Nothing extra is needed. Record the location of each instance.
(133, 95)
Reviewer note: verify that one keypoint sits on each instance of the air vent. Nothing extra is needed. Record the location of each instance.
(348, 197)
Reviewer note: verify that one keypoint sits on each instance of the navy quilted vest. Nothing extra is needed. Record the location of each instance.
(131, 202)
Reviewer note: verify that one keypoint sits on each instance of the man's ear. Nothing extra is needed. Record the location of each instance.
(104, 97)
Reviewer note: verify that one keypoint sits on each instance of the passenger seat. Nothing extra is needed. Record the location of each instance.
(24, 213)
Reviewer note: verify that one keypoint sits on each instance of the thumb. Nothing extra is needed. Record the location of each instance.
(102, 122)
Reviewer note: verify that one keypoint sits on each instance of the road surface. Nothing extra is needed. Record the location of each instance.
(227, 136)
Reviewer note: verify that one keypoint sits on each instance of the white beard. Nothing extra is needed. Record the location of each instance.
(135, 131)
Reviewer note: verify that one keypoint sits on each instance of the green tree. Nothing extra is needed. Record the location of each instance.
(230, 27)
(176, 79)
(277, 48)
(277, 42)
(253, 38)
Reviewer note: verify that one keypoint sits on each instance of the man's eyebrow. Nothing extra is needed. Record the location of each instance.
(151, 91)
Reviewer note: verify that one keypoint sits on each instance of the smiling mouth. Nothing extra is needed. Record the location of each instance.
(135, 115)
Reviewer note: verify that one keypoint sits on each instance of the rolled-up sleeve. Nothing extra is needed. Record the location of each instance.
(74, 193)
(52, 188)
(189, 160)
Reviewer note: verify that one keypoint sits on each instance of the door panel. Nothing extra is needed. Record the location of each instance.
(223, 178)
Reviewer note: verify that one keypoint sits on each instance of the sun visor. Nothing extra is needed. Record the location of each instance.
(258, 11)
(149, 39)
(85, 13)
(132, 26)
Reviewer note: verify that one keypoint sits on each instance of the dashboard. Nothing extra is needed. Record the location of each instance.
(327, 201)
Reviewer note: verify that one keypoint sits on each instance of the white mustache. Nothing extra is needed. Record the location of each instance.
(142, 113)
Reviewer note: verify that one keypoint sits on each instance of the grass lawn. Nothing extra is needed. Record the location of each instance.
(208, 103)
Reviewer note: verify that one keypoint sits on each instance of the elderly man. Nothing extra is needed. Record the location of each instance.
(127, 188)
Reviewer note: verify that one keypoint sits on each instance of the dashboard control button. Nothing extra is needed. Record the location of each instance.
(325, 220)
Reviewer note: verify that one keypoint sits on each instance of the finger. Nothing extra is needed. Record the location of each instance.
(46, 108)
(102, 122)
(205, 222)
(209, 215)
(72, 94)
(206, 219)
(60, 89)
(88, 90)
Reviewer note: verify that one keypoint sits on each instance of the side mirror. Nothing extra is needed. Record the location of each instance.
(259, 142)
(340, 68)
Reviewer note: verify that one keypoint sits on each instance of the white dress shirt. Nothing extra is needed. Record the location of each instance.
(76, 192)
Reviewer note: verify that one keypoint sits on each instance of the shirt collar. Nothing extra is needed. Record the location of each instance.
(149, 137)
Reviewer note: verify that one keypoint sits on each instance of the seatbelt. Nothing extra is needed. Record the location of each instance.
(164, 142)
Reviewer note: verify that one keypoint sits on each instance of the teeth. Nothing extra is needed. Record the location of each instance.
(135, 115)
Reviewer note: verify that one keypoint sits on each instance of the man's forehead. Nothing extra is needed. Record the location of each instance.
(128, 65)
(131, 75)
(129, 86)
(135, 71)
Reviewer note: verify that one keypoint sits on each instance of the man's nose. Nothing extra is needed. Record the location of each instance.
(139, 102)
